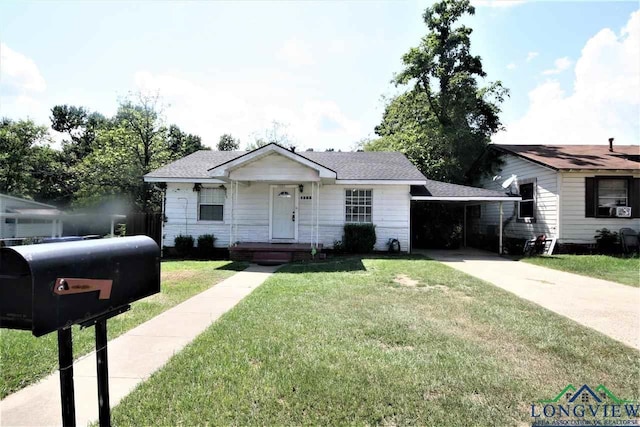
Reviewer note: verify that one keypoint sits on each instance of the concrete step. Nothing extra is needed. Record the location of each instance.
(272, 258)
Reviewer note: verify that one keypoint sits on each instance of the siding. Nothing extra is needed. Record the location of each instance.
(575, 227)
(546, 201)
(274, 167)
(391, 204)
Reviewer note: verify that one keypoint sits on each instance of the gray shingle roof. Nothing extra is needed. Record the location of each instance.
(347, 165)
(443, 189)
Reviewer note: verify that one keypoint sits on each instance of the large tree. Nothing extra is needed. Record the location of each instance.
(444, 120)
(182, 144)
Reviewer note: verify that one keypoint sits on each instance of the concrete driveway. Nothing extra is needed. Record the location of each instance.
(607, 307)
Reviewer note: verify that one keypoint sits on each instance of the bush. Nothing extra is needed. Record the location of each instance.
(205, 246)
(606, 241)
(359, 238)
(183, 245)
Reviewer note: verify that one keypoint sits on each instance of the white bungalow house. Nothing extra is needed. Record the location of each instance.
(274, 195)
(23, 218)
(568, 191)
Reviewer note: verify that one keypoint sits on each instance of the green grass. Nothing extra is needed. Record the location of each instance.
(342, 342)
(621, 270)
(24, 358)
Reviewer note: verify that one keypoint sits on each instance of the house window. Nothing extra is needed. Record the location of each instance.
(526, 207)
(611, 193)
(210, 204)
(358, 205)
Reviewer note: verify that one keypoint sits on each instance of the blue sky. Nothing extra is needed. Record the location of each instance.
(320, 68)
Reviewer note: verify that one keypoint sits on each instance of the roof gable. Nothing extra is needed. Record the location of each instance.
(223, 170)
(565, 157)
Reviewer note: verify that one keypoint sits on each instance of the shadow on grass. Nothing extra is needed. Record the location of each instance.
(339, 264)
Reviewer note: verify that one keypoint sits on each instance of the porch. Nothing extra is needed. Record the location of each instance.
(274, 253)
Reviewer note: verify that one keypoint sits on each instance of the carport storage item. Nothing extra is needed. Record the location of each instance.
(50, 287)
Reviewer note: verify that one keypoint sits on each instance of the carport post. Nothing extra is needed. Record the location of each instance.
(500, 232)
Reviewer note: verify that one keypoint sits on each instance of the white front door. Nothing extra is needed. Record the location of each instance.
(283, 213)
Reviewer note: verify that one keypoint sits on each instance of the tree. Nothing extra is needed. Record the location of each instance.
(228, 143)
(443, 121)
(276, 134)
(81, 126)
(182, 144)
(18, 159)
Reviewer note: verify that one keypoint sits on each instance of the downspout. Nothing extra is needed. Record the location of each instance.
(500, 232)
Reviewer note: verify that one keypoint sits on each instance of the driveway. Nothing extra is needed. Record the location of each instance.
(607, 307)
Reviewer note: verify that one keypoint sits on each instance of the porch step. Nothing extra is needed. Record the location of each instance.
(271, 258)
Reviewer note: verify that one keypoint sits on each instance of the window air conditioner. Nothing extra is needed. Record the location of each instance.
(623, 211)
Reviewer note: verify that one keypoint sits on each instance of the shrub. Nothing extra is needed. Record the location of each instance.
(359, 238)
(183, 245)
(606, 241)
(205, 245)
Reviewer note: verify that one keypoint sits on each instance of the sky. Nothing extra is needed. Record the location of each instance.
(322, 69)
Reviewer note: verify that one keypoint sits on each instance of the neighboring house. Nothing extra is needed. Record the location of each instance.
(22, 218)
(274, 195)
(568, 191)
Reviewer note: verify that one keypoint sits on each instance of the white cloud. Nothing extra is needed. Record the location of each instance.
(496, 3)
(247, 106)
(295, 52)
(19, 72)
(561, 65)
(511, 66)
(531, 56)
(604, 101)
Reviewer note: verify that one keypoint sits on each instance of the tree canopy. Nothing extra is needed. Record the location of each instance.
(228, 143)
(101, 159)
(443, 120)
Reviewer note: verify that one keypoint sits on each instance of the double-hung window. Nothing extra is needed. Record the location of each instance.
(211, 204)
(358, 205)
(527, 207)
(611, 193)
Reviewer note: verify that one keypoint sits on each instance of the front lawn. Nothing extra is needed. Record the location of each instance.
(378, 341)
(621, 270)
(24, 358)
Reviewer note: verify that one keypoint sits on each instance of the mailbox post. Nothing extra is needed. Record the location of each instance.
(50, 287)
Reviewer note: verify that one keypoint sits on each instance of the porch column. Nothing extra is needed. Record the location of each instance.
(464, 226)
(231, 209)
(313, 200)
(318, 215)
(500, 232)
(112, 226)
(54, 227)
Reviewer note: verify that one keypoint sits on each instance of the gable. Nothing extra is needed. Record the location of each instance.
(273, 167)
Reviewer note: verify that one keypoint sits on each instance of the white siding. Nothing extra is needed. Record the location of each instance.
(274, 167)
(575, 227)
(546, 200)
(391, 206)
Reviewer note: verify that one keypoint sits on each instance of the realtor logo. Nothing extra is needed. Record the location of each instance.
(585, 406)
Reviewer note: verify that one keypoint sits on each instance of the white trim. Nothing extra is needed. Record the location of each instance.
(223, 170)
(469, 199)
(295, 209)
(200, 180)
(379, 182)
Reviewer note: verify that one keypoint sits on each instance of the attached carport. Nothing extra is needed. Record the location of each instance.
(442, 192)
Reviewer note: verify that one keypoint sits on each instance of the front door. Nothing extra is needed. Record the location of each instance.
(283, 213)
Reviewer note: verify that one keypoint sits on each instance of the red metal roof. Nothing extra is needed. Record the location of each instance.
(623, 157)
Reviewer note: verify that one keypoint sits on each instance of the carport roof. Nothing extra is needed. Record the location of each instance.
(443, 191)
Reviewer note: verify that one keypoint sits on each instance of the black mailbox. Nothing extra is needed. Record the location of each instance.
(48, 287)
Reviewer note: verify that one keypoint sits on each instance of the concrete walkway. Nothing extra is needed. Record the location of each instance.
(607, 307)
(133, 356)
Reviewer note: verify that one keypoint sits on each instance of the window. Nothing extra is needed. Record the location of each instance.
(604, 193)
(211, 204)
(358, 205)
(526, 208)
(611, 193)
